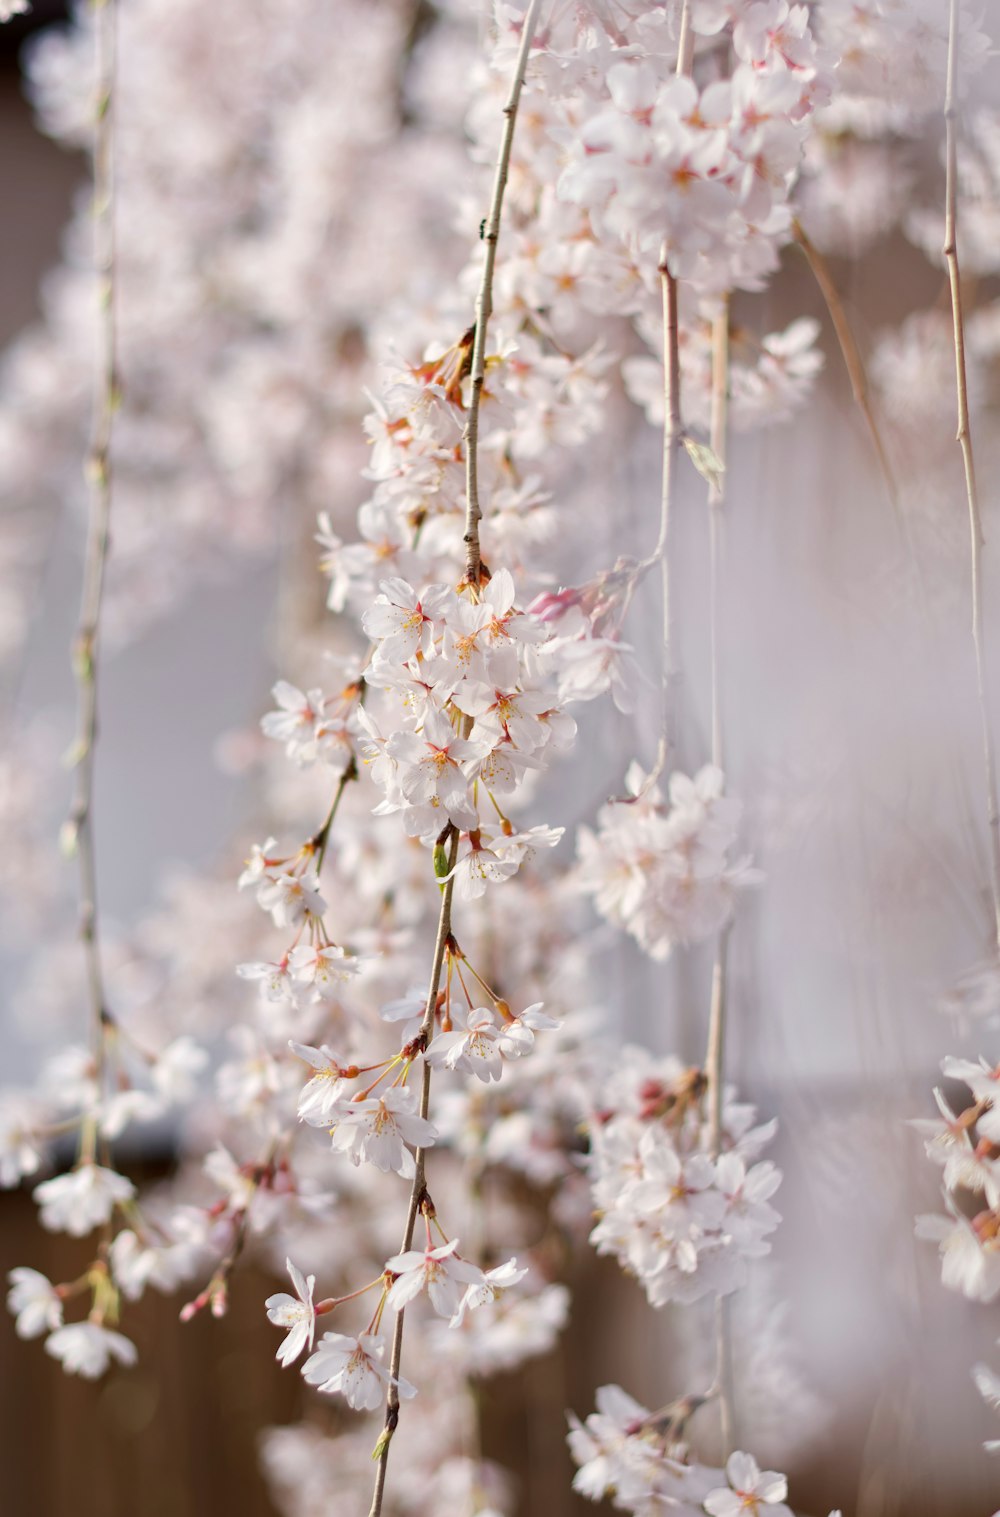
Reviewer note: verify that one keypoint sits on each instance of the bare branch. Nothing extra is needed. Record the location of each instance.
(80, 829)
(484, 301)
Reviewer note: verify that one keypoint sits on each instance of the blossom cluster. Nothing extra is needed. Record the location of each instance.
(664, 873)
(680, 1219)
(640, 1460)
(95, 1101)
(967, 1147)
(699, 177)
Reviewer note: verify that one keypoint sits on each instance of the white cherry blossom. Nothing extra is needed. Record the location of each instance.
(77, 1202)
(749, 1492)
(35, 1302)
(317, 1103)
(88, 1348)
(354, 1367)
(295, 722)
(489, 1287)
(475, 1049)
(377, 1129)
(323, 970)
(439, 1271)
(296, 1314)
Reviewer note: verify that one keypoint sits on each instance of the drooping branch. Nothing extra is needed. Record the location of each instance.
(419, 1184)
(851, 353)
(719, 423)
(715, 1050)
(451, 838)
(673, 435)
(484, 300)
(964, 438)
(80, 829)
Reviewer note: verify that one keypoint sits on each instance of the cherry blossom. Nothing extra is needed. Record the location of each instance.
(970, 1251)
(987, 1383)
(376, 1130)
(353, 1367)
(35, 1302)
(136, 1263)
(439, 1271)
(665, 874)
(615, 1457)
(318, 1101)
(750, 1490)
(88, 1348)
(489, 1288)
(20, 1151)
(399, 619)
(294, 723)
(77, 1202)
(287, 888)
(324, 969)
(475, 1050)
(294, 1313)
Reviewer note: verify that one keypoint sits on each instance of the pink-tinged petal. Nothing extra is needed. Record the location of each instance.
(742, 1472)
(722, 1503)
(281, 1302)
(312, 1056)
(442, 1046)
(405, 1289)
(771, 1486)
(303, 1287)
(399, 1263)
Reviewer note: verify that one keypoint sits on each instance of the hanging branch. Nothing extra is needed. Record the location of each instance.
(484, 301)
(964, 438)
(719, 424)
(715, 1050)
(79, 833)
(851, 354)
(673, 434)
(449, 838)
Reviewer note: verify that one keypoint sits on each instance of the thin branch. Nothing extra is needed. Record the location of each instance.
(484, 301)
(718, 437)
(322, 837)
(418, 1187)
(724, 1373)
(80, 832)
(685, 41)
(718, 433)
(964, 439)
(672, 437)
(715, 1050)
(853, 362)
